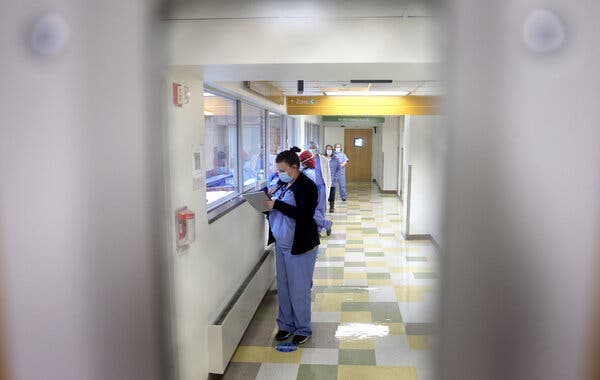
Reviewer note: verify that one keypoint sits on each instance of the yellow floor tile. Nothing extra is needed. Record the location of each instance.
(357, 344)
(379, 281)
(399, 269)
(335, 252)
(377, 264)
(354, 245)
(253, 354)
(356, 316)
(355, 276)
(328, 282)
(414, 293)
(396, 328)
(420, 342)
(362, 372)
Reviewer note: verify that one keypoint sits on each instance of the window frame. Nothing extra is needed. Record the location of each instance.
(219, 202)
(222, 206)
(264, 133)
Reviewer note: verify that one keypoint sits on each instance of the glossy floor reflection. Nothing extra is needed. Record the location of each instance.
(374, 303)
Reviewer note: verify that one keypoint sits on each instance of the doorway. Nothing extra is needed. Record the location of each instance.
(358, 148)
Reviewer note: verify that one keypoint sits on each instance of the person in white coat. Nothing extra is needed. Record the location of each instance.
(323, 181)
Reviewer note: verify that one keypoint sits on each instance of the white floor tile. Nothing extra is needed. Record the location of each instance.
(319, 356)
(277, 371)
(356, 282)
(326, 316)
(382, 294)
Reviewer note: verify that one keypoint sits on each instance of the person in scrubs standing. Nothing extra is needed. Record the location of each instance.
(323, 181)
(335, 169)
(293, 229)
(343, 160)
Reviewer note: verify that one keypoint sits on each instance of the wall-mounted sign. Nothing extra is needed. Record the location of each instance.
(351, 106)
(355, 119)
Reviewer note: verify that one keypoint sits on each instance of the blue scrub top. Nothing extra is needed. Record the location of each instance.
(310, 173)
(283, 227)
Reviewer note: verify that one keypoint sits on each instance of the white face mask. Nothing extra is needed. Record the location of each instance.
(338, 149)
(329, 152)
(313, 151)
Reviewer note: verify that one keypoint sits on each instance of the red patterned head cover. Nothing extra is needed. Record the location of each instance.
(307, 159)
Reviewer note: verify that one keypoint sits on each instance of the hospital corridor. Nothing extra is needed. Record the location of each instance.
(374, 303)
(299, 190)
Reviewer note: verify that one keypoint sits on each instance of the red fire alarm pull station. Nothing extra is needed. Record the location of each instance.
(181, 94)
(186, 227)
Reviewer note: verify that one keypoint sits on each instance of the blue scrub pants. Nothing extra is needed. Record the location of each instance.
(322, 223)
(294, 281)
(342, 183)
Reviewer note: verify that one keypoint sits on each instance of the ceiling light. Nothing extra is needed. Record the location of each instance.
(371, 81)
(208, 113)
(208, 94)
(366, 93)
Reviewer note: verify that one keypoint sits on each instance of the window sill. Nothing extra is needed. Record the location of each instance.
(224, 209)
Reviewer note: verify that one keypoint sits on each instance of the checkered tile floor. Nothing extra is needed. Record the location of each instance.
(374, 303)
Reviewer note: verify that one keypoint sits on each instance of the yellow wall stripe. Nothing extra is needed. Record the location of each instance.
(363, 105)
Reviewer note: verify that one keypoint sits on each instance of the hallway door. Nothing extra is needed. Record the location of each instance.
(357, 146)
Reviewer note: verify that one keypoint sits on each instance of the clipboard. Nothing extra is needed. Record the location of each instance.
(256, 200)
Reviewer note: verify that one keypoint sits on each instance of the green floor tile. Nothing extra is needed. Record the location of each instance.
(341, 289)
(373, 276)
(416, 258)
(386, 317)
(374, 254)
(356, 306)
(329, 270)
(425, 276)
(357, 357)
(317, 372)
(354, 241)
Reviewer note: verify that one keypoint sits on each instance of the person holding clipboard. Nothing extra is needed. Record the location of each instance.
(293, 228)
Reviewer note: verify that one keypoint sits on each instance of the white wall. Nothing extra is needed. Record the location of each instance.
(80, 195)
(523, 196)
(425, 150)
(206, 275)
(389, 147)
(384, 159)
(300, 32)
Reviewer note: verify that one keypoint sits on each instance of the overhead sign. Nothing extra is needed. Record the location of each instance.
(350, 106)
(355, 119)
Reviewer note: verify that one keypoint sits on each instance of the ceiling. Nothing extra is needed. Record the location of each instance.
(314, 88)
(244, 9)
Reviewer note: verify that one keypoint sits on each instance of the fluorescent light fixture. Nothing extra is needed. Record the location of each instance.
(366, 93)
(272, 113)
(208, 113)
(208, 94)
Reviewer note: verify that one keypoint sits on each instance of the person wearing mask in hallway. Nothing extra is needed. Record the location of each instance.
(323, 181)
(307, 165)
(335, 168)
(343, 160)
(293, 229)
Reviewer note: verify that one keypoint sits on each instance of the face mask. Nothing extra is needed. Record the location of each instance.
(222, 169)
(313, 151)
(284, 177)
(338, 149)
(329, 152)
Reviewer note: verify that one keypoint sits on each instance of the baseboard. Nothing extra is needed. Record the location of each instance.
(437, 245)
(393, 192)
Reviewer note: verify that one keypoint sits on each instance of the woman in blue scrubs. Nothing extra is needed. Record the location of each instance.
(294, 231)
